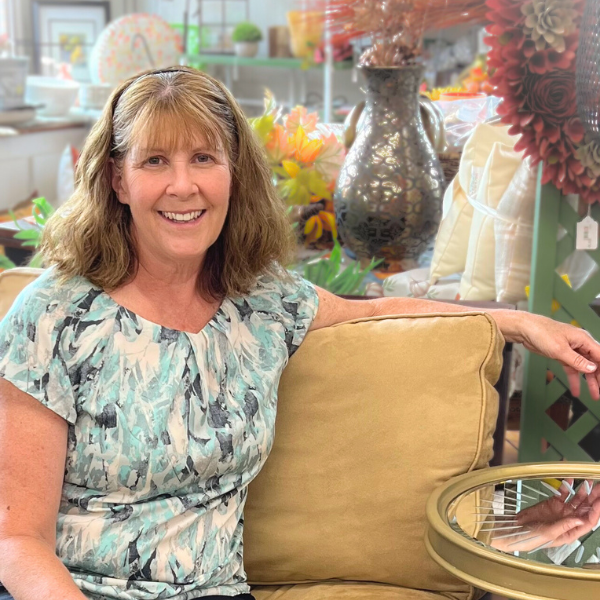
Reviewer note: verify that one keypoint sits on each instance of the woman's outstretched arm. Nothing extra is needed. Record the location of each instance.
(574, 348)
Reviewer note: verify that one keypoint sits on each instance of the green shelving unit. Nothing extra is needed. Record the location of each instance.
(274, 63)
(295, 69)
(542, 438)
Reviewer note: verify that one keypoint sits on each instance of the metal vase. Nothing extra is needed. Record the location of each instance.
(388, 201)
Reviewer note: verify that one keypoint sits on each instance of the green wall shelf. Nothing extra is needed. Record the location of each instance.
(277, 63)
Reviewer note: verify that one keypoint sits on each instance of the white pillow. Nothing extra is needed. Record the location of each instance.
(452, 241)
(415, 284)
(514, 235)
(479, 279)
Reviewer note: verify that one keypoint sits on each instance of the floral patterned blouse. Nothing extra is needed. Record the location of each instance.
(166, 428)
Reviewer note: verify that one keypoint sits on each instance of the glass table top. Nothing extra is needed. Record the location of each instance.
(549, 520)
(524, 531)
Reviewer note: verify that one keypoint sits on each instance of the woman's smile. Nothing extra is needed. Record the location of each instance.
(182, 219)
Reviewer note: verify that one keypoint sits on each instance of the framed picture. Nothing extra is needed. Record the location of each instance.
(65, 32)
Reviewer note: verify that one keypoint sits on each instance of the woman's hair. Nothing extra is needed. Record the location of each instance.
(91, 236)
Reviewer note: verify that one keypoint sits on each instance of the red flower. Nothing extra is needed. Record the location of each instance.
(560, 60)
(538, 63)
(538, 97)
(529, 48)
(574, 130)
(551, 96)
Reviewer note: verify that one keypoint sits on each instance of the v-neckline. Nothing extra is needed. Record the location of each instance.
(212, 321)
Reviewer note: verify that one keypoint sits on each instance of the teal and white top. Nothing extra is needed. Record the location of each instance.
(166, 428)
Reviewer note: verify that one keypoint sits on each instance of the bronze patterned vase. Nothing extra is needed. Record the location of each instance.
(388, 201)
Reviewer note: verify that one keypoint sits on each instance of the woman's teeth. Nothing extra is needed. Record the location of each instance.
(181, 217)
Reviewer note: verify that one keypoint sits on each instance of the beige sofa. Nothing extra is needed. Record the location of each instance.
(373, 415)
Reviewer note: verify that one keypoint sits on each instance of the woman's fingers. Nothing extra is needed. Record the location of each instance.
(565, 531)
(589, 522)
(594, 515)
(573, 377)
(581, 498)
(574, 381)
(583, 356)
(583, 343)
(594, 492)
(592, 382)
(577, 359)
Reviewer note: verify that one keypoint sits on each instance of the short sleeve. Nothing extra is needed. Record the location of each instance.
(32, 336)
(300, 303)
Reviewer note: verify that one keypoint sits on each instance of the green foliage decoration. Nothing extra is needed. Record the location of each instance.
(31, 236)
(246, 32)
(325, 271)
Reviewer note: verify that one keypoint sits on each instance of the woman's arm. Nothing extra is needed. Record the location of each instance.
(33, 445)
(573, 347)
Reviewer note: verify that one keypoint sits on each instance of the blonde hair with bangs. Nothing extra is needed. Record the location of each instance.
(90, 235)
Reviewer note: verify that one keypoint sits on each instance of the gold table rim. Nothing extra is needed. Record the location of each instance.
(490, 569)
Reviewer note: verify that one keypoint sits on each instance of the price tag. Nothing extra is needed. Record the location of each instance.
(587, 234)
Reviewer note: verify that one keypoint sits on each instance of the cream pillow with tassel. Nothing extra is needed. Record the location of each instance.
(479, 278)
(452, 241)
(514, 235)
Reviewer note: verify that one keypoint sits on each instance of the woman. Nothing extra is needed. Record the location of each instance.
(147, 358)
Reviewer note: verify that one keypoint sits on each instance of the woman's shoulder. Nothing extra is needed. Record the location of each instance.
(282, 291)
(278, 282)
(287, 299)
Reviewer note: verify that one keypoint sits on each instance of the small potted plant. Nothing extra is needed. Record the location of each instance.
(245, 38)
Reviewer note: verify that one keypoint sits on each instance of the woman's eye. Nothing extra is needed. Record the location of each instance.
(203, 158)
(154, 160)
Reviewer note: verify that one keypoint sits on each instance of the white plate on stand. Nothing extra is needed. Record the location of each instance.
(15, 116)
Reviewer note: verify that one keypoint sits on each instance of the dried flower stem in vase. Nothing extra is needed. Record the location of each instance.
(396, 27)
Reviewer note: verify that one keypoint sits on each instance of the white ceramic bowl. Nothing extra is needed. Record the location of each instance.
(57, 95)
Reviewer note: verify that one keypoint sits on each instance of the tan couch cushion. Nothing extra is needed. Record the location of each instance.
(373, 415)
(341, 591)
(11, 284)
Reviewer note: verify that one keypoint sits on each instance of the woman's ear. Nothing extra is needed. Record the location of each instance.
(116, 180)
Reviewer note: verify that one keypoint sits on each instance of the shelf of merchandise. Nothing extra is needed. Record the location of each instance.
(296, 70)
(276, 63)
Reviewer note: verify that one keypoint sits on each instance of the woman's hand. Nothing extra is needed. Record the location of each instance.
(555, 522)
(574, 348)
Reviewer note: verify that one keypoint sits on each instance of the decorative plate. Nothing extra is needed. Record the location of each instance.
(132, 44)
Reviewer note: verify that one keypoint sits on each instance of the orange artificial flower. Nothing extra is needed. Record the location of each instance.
(300, 117)
(278, 144)
(306, 150)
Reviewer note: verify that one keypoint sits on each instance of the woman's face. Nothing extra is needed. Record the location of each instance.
(178, 199)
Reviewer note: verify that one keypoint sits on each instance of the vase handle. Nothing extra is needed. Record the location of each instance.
(433, 121)
(351, 124)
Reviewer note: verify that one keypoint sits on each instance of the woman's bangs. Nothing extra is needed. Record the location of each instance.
(175, 128)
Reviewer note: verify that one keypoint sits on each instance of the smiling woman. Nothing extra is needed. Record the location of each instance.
(139, 373)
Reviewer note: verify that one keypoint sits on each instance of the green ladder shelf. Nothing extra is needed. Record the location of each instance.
(542, 439)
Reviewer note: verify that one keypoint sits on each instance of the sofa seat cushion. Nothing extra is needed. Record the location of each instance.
(342, 591)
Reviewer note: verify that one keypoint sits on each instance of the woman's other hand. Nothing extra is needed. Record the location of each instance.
(560, 520)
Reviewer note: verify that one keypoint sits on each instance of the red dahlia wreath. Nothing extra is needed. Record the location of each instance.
(534, 44)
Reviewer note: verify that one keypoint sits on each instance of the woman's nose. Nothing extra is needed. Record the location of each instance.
(182, 182)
